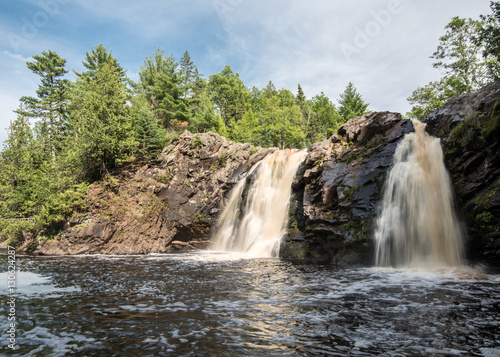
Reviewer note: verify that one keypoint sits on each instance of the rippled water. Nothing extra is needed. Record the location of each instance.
(212, 304)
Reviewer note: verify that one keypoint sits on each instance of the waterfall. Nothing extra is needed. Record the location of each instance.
(256, 215)
(417, 226)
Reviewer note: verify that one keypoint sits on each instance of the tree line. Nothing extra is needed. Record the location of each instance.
(71, 133)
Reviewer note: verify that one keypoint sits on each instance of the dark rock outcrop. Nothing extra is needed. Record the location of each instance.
(337, 190)
(469, 126)
(169, 205)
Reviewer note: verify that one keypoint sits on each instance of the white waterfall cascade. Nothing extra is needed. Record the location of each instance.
(256, 215)
(417, 226)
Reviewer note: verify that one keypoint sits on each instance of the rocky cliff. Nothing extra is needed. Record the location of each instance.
(163, 206)
(469, 126)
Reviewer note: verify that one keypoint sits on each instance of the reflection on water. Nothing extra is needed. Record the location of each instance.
(212, 304)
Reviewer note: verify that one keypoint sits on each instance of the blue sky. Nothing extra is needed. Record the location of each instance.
(382, 46)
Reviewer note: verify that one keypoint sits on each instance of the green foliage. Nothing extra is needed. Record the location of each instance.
(485, 217)
(433, 95)
(493, 126)
(466, 63)
(166, 179)
(469, 133)
(60, 206)
(23, 180)
(223, 158)
(205, 118)
(459, 53)
(197, 141)
(484, 200)
(351, 103)
(490, 36)
(105, 129)
(162, 85)
(324, 119)
(95, 61)
(50, 105)
(149, 137)
(229, 95)
(14, 229)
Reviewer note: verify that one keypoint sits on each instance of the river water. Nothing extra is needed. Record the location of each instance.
(218, 304)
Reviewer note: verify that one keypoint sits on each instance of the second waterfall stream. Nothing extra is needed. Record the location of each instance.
(255, 217)
(417, 226)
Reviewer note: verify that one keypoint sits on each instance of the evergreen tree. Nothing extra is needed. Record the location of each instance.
(301, 98)
(96, 59)
(50, 105)
(205, 119)
(188, 75)
(19, 174)
(351, 103)
(150, 138)
(104, 130)
(247, 130)
(162, 85)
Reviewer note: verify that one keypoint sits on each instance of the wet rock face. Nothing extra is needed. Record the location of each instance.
(469, 126)
(337, 190)
(444, 120)
(169, 205)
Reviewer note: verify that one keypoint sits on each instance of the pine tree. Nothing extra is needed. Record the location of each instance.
(205, 119)
(149, 136)
(301, 98)
(19, 174)
(96, 59)
(188, 75)
(104, 129)
(161, 82)
(51, 102)
(351, 103)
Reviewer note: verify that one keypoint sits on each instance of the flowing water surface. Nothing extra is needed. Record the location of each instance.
(219, 304)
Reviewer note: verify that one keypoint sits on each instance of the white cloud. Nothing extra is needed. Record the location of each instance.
(17, 56)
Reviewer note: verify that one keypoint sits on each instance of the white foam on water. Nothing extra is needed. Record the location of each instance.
(59, 345)
(29, 283)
